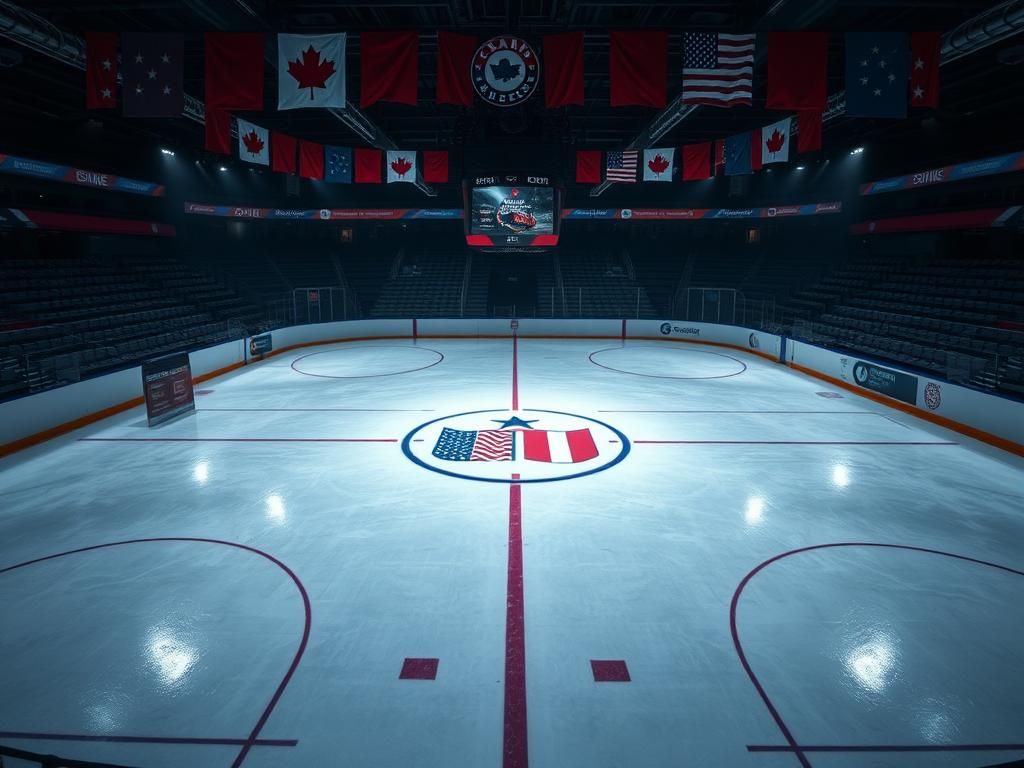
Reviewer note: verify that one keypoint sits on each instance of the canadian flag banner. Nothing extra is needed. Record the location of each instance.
(401, 166)
(658, 164)
(775, 142)
(253, 143)
(310, 71)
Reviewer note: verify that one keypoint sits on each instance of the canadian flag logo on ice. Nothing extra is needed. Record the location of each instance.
(401, 166)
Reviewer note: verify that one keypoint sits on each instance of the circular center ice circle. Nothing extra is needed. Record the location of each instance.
(357, 362)
(667, 362)
(524, 446)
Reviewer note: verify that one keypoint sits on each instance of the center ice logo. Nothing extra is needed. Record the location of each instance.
(536, 445)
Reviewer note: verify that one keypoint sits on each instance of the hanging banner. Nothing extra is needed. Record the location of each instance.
(933, 222)
(973, 169)
(505, 71)
(73, 222)
(323, 214)
(690, 214)
(21, 166)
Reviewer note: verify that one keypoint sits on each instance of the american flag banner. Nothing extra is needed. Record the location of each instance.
(475, 445)
(621, 166)
(718, 69)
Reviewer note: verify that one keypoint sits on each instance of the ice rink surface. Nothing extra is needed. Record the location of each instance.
(770, 572)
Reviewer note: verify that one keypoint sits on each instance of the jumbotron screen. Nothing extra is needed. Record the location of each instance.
(511, 211)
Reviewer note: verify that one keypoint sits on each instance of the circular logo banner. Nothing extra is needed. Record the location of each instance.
(505, 71)
(538, 446)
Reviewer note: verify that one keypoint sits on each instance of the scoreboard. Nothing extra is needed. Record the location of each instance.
(511, 211)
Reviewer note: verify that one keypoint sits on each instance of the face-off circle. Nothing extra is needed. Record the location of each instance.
(678, 364)
(505, 71)
(366, 361)
(540, 446)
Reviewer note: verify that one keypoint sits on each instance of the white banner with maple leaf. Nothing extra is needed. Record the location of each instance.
(659, 163)
(775, 142)
(253, 143)
(401, 166)
(310, 71)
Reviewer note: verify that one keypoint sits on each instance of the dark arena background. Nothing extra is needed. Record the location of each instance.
(511, 383)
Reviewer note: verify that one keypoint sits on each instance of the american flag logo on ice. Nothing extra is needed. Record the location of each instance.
(548, 446)
(474, 445)
(718, 69)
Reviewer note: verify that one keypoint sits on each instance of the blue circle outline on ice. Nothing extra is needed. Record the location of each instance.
(359, 347)
(501, 471)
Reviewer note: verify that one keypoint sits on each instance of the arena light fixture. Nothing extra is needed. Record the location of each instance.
(801, 167)
(223, 168)
(165, 151)
(856, 150)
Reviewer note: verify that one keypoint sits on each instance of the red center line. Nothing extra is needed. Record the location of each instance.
(515, 373)
(515, 751)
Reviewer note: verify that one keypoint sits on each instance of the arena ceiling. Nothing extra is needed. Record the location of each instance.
(980, 89)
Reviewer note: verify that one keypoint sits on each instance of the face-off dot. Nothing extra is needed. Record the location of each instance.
(610, 671)
(418, 669)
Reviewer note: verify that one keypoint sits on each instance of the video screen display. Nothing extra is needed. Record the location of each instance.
(512, 210)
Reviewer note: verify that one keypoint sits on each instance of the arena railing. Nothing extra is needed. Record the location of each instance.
(26, 759)
(981, 371)
(25, 372)
(322, 304)
(608, 301)
(730, 306)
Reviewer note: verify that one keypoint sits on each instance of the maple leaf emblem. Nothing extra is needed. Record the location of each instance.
(658, 164)
(776, 141)
(401, 166)
(310, 72)
(505, 70)
(253, 143)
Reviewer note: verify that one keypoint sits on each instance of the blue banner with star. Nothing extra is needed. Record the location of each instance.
(339, 165)
(877, 74)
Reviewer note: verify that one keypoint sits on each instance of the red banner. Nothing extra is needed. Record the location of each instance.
(563, 74)
(73, 222)
(931, 222)
(454, 58)
(388, 67)
(638, 68)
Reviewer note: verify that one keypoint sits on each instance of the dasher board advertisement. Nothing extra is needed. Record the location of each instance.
(167, 384)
